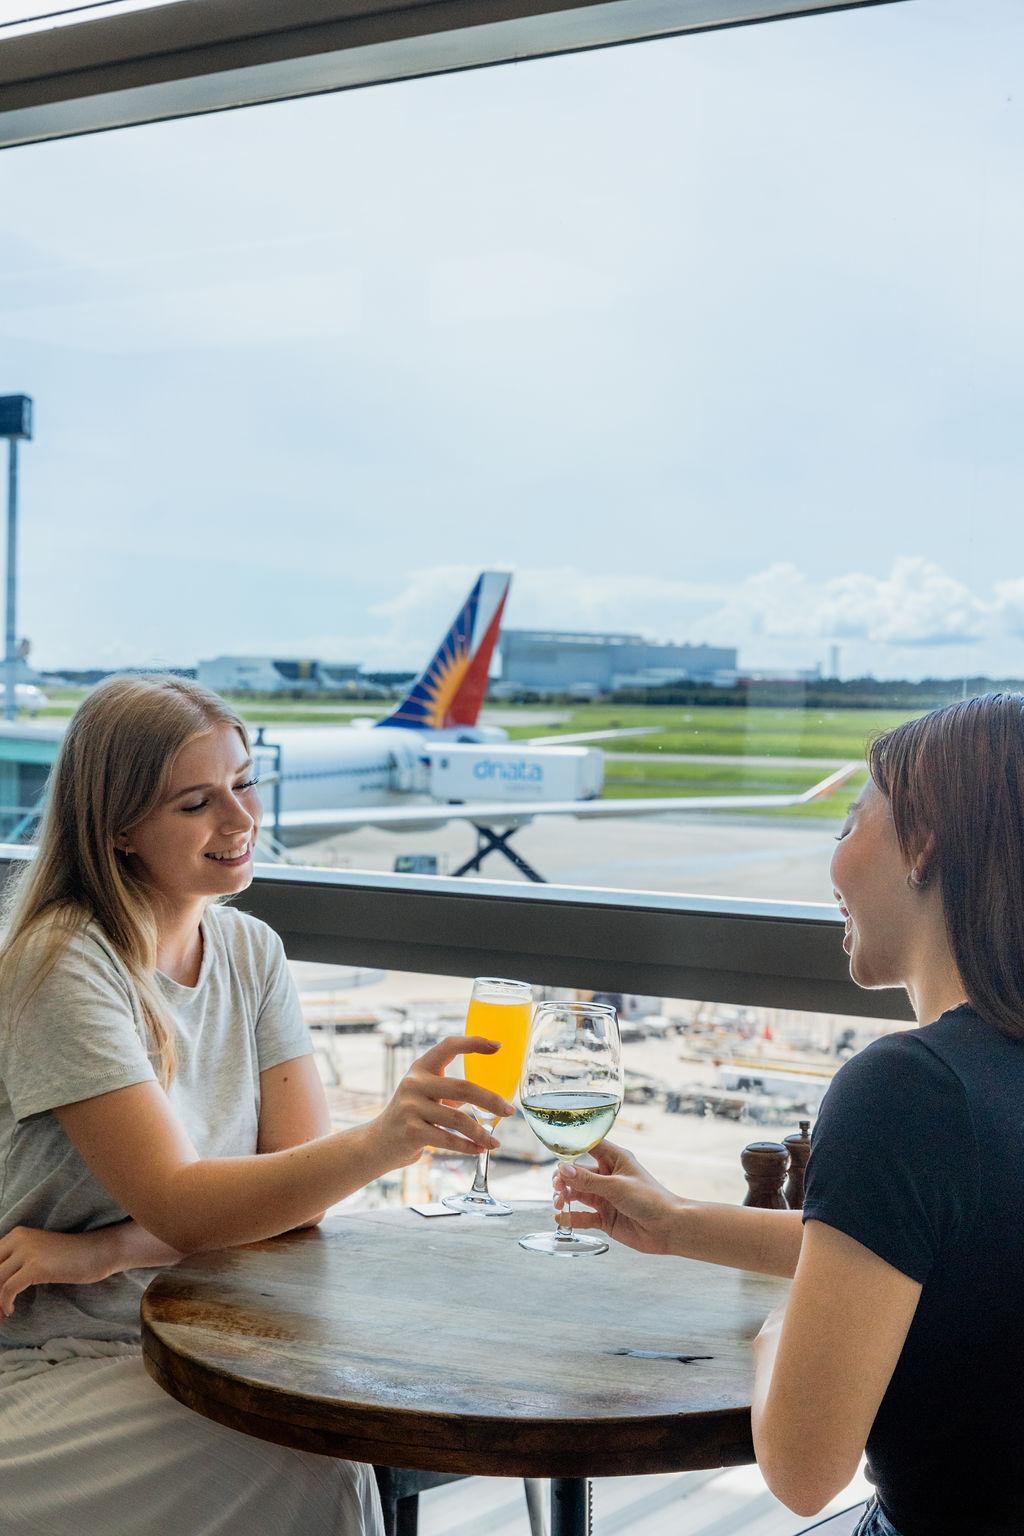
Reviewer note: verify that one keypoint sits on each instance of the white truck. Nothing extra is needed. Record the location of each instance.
(461, 772)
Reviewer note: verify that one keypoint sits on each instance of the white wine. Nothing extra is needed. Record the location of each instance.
(569, 1124)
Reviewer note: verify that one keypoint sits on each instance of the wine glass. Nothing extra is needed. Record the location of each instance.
(570, 1092)
(498, 1010)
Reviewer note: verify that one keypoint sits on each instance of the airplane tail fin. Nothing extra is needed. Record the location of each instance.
(449, 693)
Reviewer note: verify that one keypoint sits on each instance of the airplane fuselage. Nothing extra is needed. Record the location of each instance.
(344, 766)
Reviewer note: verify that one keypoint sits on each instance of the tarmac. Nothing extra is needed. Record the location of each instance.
(691, 853)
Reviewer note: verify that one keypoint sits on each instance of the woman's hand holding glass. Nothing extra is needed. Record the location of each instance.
(620, 1198)
(571, 1091)
(423, 1113)
(500, 1009)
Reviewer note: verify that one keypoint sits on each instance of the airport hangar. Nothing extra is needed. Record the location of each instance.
(553, 661)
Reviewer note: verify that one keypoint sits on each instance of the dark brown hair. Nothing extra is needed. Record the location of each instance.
(958, 774)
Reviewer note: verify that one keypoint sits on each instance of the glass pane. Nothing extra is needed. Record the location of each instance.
(727, 378)
(703, 1080)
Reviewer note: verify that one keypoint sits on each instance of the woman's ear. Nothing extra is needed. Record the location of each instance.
(921, 872)
(121, 844)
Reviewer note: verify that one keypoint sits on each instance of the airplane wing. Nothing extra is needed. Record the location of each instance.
(504, 813)
(582, 736)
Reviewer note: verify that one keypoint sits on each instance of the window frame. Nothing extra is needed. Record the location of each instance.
(197, 56)
(752, 953)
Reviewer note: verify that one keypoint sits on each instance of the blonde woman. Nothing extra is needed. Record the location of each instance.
(904, 1331)
(158, 1096)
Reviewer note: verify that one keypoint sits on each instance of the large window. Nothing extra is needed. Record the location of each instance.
(702, 1080)
(710, 341)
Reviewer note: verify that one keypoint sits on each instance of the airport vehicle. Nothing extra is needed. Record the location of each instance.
(430, 761)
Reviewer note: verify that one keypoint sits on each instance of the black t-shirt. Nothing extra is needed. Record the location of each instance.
(918, 1153)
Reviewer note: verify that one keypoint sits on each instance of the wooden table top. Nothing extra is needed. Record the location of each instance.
(441, 1344)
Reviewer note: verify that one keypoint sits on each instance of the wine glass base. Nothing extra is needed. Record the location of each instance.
(574, 1247)
(477, 1205)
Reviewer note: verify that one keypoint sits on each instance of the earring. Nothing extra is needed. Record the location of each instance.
(915, 881)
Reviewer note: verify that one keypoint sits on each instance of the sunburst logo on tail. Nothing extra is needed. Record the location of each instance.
(451, 690)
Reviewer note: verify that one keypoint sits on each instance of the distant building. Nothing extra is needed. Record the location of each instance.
(266, 674)
(88, 677)
(553, 661)
(782, 675)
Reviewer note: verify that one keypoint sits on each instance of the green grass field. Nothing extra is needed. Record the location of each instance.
(643, 778)
(840, 733)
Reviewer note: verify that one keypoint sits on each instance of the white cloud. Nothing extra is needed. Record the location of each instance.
(778, 616)
(566, 598)
(1010, 602)
(403, 631)
(917, 604)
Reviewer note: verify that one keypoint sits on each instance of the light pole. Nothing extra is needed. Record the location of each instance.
(15, 425)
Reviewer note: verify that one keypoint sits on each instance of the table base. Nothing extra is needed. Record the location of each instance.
(571, 1506)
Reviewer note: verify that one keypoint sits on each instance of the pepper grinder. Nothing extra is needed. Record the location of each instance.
(799, 1147)
(764, 1163)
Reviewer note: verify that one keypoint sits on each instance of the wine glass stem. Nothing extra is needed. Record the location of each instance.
(563, 1218)
(480, 1176)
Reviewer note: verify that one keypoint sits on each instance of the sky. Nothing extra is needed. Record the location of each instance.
(714, 339)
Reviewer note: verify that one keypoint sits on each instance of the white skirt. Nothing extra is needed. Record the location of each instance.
(89, 1445)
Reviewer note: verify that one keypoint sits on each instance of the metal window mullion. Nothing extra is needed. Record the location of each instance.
(760, 954)
(730, 957)
(198, 56)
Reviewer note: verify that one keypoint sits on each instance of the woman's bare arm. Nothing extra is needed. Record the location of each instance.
(31, 1256)
(136, 1146)
(293, 1110)
(822, 1364)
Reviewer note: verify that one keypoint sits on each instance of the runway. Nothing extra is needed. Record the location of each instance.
(763, 858)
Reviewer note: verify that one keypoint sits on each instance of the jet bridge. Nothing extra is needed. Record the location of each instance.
(27, 753)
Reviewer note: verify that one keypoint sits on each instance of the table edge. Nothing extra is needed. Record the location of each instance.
(613, 1447)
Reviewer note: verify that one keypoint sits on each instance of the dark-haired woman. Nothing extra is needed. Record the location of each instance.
(158, 1095)
(904, 1328)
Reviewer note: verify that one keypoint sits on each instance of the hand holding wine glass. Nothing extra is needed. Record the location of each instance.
(570, 1092)
(498, 1010)
(622, 1199)
(423, 1113)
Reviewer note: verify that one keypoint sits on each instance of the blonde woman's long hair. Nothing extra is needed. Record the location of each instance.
(114, 768)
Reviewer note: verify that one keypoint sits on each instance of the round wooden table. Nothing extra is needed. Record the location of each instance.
(440, 1344)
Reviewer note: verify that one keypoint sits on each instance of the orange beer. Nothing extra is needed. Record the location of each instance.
(498, 1010)
(509, 1024)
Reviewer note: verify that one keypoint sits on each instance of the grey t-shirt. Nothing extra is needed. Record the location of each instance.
(82, 1035)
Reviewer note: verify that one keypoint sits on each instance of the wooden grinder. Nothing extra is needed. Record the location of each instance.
(799, 1145)
(764, 1163)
